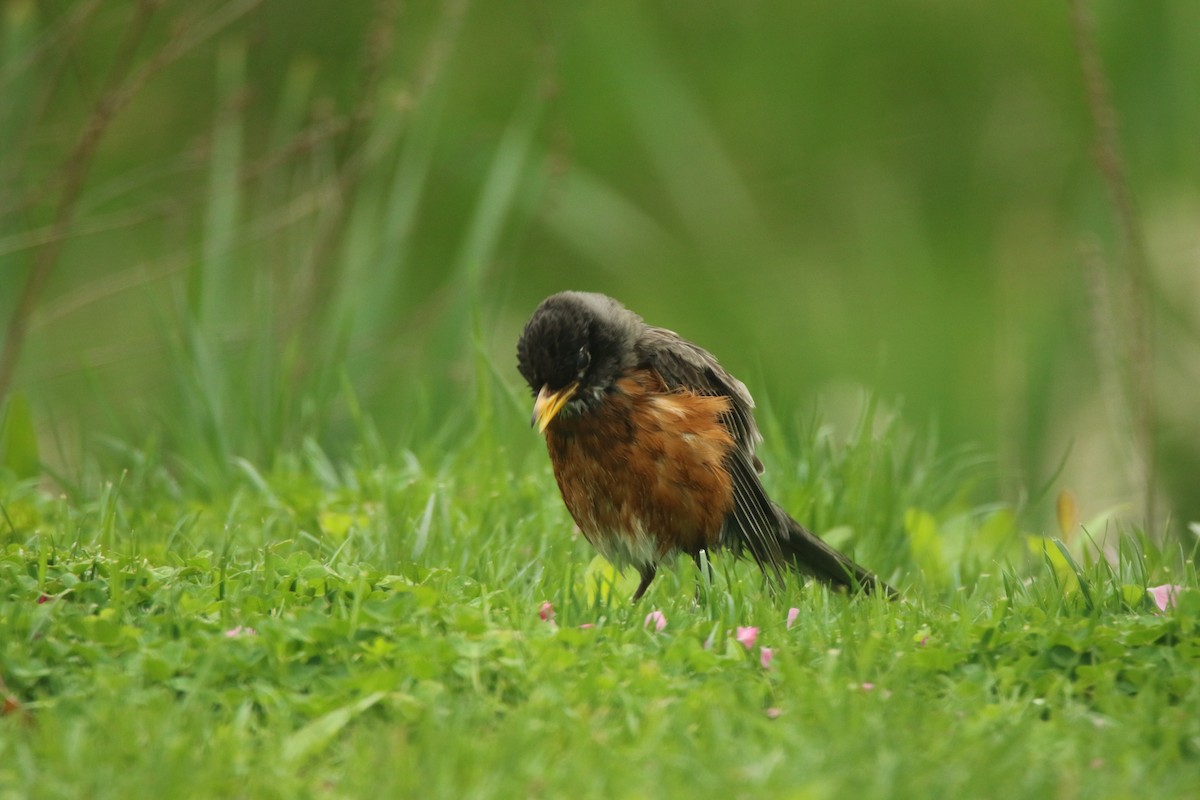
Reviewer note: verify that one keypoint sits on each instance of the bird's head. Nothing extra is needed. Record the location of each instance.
(573, 349)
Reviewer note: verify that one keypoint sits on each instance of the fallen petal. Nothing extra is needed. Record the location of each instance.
(656, 619)
(1165, 595)
(765, 654)
(792, 614)
(747, 636)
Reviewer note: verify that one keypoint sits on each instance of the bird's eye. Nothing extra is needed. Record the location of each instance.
(583, 360)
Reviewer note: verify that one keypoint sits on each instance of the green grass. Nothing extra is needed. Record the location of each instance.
(372, 628)
(271, 523)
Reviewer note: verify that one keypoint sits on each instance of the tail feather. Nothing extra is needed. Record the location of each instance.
(805, 553)
(775, 540)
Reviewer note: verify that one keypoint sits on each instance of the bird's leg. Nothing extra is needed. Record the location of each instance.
(647, 572)
(705, 578)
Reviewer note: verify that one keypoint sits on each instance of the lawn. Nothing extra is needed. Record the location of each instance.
(272, 521)
(429, 625)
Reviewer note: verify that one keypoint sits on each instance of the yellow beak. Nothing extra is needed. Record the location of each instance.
(549, 403)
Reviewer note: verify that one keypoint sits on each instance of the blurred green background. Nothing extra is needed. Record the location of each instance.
(265, 221)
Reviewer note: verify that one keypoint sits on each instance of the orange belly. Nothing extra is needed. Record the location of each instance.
(643, 474)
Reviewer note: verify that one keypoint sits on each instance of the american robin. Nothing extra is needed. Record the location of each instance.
(652, 444)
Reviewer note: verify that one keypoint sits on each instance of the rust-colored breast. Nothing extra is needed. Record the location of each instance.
(643, 474)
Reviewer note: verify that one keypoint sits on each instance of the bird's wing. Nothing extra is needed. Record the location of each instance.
(754, 523)
(683, 365)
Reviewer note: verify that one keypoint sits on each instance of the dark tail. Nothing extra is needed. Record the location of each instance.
(805, 553)
(774, 539)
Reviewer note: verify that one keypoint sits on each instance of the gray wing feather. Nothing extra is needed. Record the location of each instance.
(755, 523)
(683, 365)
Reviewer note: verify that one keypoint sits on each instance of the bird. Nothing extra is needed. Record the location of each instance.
(652, 443)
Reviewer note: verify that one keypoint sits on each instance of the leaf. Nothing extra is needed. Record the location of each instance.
(1062, 656)
(1062, 568)
(18, 439)
(601, 580)
(838, 537)
(998, 531)
(335, 524)
(925, 541)
(1101, 521)
(1134, 595)
(320, 731)
(1080, 578)
(1068, 514)
(598, 580)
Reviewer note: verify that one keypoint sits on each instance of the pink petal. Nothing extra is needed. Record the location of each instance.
(234, 633)
(585, 626)
(773, 712)
(867, 686)
(792, 614)
(546, 612)
(765, 654)
(656, 619)
(1165, 595)
(747, 636)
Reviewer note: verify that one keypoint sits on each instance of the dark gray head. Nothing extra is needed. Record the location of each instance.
(573, 349)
